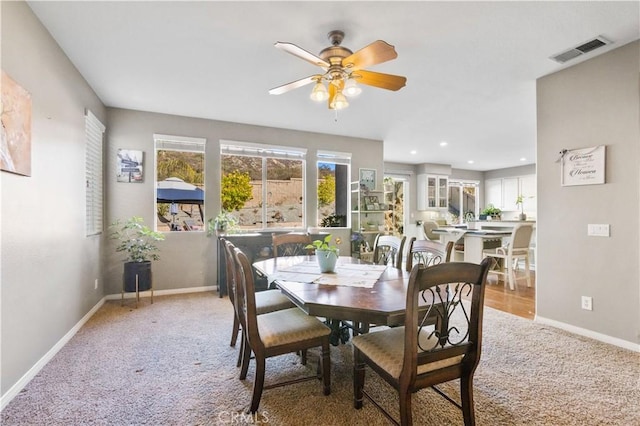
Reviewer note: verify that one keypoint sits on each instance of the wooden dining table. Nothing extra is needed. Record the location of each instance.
(383, 304)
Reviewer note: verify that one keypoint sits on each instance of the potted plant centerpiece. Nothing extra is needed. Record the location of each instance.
(327, 254)
(138, 241)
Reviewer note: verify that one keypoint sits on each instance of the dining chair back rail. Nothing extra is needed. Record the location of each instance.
(419, 354)
(276, 333)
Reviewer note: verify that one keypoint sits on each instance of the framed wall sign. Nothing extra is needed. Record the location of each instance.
(584, 166)
(368, 178)
(129, 163)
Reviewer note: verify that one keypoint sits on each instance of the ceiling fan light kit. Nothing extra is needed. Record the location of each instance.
(343, 70)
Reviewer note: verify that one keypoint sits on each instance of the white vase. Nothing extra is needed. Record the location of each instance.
(327, 260)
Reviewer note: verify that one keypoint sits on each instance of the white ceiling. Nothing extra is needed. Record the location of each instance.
(471, 67)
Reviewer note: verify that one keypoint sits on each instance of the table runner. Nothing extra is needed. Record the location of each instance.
(349, 274)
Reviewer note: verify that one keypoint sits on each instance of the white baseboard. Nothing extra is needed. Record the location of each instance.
(132, 295)
(24, 380)
(635, 347)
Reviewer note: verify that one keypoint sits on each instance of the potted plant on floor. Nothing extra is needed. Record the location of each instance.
(138, 241)
(327, 254)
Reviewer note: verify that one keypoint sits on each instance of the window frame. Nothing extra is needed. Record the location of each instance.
(266, 151)
(462, 183)
(336, 158)
(180, 144)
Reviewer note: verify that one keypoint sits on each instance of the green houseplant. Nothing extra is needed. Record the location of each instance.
(326, 253)
(520, 202)
(491, 211)
(223, 222)
(138, 241)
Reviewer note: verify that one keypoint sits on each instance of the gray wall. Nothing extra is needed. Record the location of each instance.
(188, 259)
(593, 103)
(48, 265)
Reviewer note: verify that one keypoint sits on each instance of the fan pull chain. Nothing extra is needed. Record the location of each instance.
(336, 117)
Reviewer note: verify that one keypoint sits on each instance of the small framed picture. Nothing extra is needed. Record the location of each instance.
(368, 178)
(370, 207)
(129, 163)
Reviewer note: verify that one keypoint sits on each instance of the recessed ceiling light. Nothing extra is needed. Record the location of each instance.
(523, 159)
(470, 161)
(414, 152)
(444, 143)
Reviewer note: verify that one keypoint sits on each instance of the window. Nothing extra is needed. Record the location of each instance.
(94, 131)
(262, 186)
(333, 188)
(179, 183)
(463, 205)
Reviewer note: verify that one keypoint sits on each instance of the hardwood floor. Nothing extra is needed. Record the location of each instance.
(520, 302)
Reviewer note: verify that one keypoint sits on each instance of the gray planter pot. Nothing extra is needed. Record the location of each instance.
(140, 269)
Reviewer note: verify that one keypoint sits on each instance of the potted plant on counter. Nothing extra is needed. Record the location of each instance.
(520, 202)
(327, 254)
(139, 243)
(491, 212)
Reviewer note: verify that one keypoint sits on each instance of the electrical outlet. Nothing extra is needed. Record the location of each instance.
(587, 303)
(95, 285)
(598, 230)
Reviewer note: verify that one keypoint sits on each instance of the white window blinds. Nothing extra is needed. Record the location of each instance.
(94, 131)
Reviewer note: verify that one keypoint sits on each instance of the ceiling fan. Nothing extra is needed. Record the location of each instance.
(343, 70)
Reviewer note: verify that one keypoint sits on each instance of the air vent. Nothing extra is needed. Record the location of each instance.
(581, 49)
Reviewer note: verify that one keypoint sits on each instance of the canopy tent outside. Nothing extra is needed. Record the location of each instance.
(175, 190)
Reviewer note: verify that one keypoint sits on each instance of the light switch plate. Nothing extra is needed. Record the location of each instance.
(598, 230)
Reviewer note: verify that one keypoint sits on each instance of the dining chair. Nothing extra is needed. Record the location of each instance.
(388, 249)
(427, 229)
(291, 244)
(427, 252)
(418, 355)
(276, 333)
(516, 249)
(266, 301)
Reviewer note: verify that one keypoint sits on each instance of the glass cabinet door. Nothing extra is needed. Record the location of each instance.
(442, 192)
(431, 191)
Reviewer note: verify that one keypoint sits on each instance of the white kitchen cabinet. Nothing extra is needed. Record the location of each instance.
(433, 192)
(504, 192)
(493, 192)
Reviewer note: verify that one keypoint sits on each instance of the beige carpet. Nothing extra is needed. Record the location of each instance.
(170, 364)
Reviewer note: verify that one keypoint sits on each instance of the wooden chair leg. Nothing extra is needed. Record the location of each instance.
(510, 273)
(326, 366)
(358, 379)
(240, 352)
(303, 357)
(234, 332)
(405, 407)
(246, 357)
(527, 270)
(466, 397)
(258, 384)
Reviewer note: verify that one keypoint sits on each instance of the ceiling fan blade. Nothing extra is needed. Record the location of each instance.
(376, 53)
(302, 54)
(294, 85)
(377, 79)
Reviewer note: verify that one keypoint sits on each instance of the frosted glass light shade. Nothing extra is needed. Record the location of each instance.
(319, 93)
